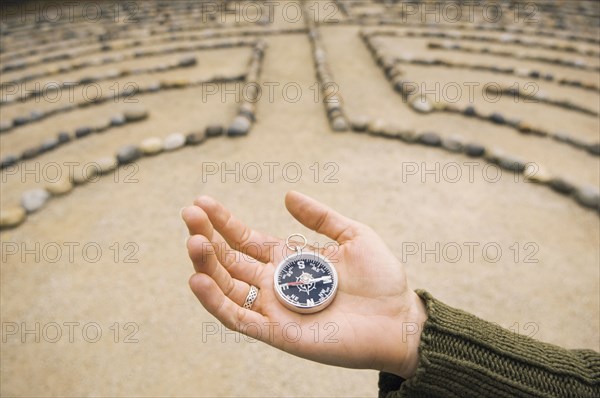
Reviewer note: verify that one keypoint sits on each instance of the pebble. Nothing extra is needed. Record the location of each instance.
(5, 125)
(535, 173)
(8, 161)
(101, 125)
(82, 132)
(195, 138)
(240, 126)
(493, 155)
(339, 124)
(187, 61)
(421, 105)
(588, 196)
(20, 120)
(430, 139)
(60, 187)
(561, 186)
(377, 127)
(49, 143)
(453, 143)
(11, 217)
(118, 120)
(135, 114)
(408, 136)
(247, 110)
(173, 141)
(214, 131)
(63, 137)
(511, 163)
(470, 111)
(106, 164)
(360, 123)
(594, 149)
(30, 153)
(474, 150)
(86, 174)
(34, 199)
(128, 154)
(151, 146)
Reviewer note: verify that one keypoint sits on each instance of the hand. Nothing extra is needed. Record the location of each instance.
(376, 318)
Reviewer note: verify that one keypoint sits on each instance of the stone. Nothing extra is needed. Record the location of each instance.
(106, 164)
(173, 141)
(85, 174)
(187, 61)
(247, 110)
(36, 115)
(339, 124)
(195, 138)
(34, 199)
(118, 120)
(49, 144)
(453, 143)
(536, 173)
(5, 125)
(82, 132)
(430, 139)
(12, 217)
(470, 111)
(511, 163)
(497, 118)
(240, 126)
(214, 130)
(493, 155)
(377, 127)
(128, 154)
(8, 160)
(474, 150)
(63, 137)
(421, 105)
(60, 187)
(20, 120)
(560, 185)
(30, 153)
(588, 196)
(151, 146)
(100, 125)
(360, 123)
(135, 113)
(408, 136)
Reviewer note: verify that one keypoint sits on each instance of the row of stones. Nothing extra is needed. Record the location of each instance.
(423, 104)
(484, 27)
(127, 92)
(504, 39)
(130, 115)
(50, 87)
(63, 31)
(111, 59)
(586, 195)
(330, 95)
(519, 72)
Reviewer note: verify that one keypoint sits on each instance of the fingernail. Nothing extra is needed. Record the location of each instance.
(187, 240)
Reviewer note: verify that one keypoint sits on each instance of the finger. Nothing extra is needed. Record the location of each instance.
(239, 267)
(237, 234)
(202, 254)
(232, 315)
(321, 218)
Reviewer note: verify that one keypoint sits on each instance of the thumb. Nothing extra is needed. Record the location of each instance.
(321, 218)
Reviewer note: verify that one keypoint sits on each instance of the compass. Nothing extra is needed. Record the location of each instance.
(305, 282)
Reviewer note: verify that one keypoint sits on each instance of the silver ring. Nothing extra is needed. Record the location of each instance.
(251, 297)
(296, 248)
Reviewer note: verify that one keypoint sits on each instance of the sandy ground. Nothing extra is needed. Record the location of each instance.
(544, 283)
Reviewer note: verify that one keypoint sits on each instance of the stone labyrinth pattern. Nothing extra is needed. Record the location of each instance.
(539, 57)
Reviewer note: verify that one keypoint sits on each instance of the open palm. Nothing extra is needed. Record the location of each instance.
(374, 321)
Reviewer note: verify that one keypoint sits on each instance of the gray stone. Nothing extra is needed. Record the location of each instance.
(474, 150)
(151, 146)
(12, 217)
(128, 154)
(49, 144)
(82, 132)
(30, 153)
(214, 130)
(560, 185)
(118, 120)
(360, 123)
(8, 160)
(430, 139)
(100, 125)
(421, 105)
(106, 164)
(195, 138)
(408, 136)
(63, 137)
(453, 143)
(135, 114)
(511, 163)
(187, 61)
(594, 149)
(588, 196)
(173, 141)
(497, 118)
(5, 125)
(240, 126)
(339, 124)
(60, 187)
(34, 199)
(247, 109)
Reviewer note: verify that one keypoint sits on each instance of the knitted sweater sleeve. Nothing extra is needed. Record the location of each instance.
(463, 356)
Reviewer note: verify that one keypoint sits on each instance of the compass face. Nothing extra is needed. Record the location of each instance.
(305, 282)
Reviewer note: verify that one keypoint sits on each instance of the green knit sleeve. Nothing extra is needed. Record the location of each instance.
(463, 356)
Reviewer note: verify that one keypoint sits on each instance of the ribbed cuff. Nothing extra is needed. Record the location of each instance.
(461, 355)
